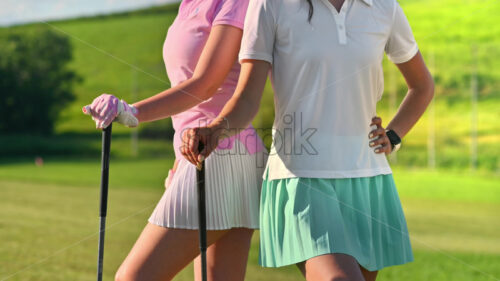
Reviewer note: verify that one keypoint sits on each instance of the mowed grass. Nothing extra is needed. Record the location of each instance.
(48, 215)
(49, 221)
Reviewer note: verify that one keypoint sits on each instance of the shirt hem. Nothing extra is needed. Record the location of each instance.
(256, 56)
(327, 174)
(234, 23)
(406, 57)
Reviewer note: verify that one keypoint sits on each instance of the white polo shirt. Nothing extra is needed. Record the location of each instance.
(327, 76)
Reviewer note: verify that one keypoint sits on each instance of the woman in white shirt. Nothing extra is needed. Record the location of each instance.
(329, 203)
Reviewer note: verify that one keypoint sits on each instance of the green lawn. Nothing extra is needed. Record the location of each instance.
(49, 221)
(48, 215)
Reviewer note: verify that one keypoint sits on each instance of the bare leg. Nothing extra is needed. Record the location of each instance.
(369, 275)
(227, 257)
(160, 253)
(338, 267)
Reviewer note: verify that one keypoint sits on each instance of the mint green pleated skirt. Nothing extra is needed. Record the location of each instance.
(301, 218)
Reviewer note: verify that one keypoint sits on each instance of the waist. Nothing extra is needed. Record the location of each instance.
(325, 156)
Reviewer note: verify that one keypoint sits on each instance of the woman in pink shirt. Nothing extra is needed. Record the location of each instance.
(200, 54)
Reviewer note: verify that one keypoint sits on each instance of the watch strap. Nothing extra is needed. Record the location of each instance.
(394, 139)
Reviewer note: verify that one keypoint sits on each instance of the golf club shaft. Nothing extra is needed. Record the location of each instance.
(202, 218)
(106, 144)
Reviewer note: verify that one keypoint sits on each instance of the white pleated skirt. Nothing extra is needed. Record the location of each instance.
(233, 180)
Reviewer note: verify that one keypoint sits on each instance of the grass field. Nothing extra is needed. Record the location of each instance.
(48, 214)
(49, 221)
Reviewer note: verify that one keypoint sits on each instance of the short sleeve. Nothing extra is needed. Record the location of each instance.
(259, 32)
(231, 12)
(401, 45)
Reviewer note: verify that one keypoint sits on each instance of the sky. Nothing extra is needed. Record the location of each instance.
(24, 11)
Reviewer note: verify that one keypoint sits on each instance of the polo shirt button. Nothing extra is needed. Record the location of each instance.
(341, 27)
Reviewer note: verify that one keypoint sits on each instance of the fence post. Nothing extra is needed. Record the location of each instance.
(473, 121)
(431, 116)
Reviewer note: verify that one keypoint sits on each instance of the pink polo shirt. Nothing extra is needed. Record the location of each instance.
(185, 41)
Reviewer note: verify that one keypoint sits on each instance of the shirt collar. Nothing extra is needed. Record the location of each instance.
(368, 2)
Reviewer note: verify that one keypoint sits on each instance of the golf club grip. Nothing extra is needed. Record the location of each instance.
(200, 149)
(106, 146)
(202, 218)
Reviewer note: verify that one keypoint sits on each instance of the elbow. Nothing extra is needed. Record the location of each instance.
(426, 89)
(208, 92)
(430, 89)
(205, 87)
(423, 91)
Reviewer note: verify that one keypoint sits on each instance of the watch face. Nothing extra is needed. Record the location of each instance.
(393, 137)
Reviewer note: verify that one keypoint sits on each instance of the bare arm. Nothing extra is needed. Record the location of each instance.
(240, 110)
(216, 60)
(420, 94)
(236, 115)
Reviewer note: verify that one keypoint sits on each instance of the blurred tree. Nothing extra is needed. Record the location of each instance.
(35, 82)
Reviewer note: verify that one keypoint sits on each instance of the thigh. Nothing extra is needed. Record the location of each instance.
(160, 253)
(369, 275)
(331, 267)
(227, 257)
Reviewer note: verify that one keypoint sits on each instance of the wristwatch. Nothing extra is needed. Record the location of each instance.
(394, 139)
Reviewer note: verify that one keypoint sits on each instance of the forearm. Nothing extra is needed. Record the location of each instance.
(240, 110)
(174, 100)
(411, 109)
(236, 116)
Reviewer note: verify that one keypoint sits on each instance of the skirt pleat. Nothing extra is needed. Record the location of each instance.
(306, 217)
(233, 180)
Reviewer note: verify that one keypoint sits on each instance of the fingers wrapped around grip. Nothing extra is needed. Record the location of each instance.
(108, 108)
(103, 110)
(195, 138)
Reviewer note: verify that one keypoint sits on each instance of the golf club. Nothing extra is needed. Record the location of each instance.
(202, 218)
(106, 144)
